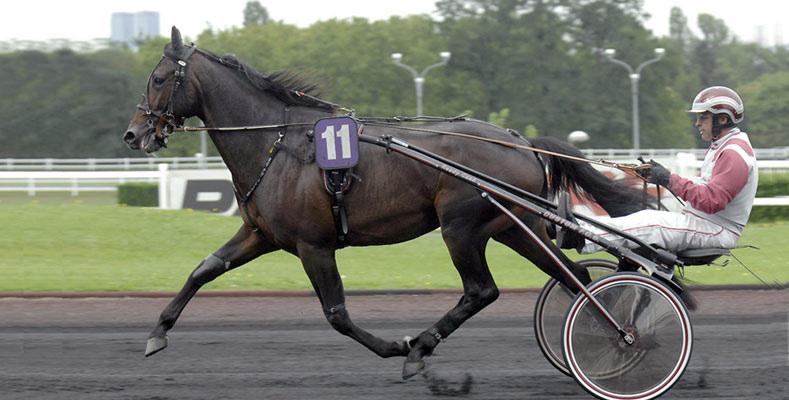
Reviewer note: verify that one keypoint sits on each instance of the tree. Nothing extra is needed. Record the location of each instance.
(766, 107)
(65, 104)
(708, 50)
(714, 29)
(537, 59)
(255, 14)
(516, 49)
(678, 28)
(350, 59)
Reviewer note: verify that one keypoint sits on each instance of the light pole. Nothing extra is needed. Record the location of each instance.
(634, 77)
(419, 79)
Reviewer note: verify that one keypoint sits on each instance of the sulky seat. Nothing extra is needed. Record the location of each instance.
(701, 256)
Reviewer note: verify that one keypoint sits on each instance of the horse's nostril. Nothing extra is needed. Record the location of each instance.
(128, 137)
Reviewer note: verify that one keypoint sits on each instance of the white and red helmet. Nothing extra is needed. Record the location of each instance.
(719, 100)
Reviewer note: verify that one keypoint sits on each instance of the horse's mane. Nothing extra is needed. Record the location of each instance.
(290, 87)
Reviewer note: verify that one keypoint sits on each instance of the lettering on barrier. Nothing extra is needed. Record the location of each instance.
(215, 195)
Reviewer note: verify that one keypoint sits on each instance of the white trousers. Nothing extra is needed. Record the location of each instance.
(673, 231)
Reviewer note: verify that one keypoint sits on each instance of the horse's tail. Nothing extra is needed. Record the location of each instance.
(617, 198)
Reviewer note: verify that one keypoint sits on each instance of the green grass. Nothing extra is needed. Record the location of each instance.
(83, 197)
(78, 247)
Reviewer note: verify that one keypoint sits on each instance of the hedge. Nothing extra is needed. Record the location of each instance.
(771, 185)
(139, 194)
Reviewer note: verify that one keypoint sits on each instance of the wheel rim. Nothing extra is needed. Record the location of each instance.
(551, 310)
(600, 360)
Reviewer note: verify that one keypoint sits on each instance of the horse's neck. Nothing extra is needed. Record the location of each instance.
(232, 102)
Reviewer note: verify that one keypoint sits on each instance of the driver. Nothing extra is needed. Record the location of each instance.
(718, 202)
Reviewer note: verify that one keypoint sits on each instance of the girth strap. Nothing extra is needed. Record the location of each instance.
(337, 182)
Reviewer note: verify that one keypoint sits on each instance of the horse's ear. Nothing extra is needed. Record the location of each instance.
(177, 42)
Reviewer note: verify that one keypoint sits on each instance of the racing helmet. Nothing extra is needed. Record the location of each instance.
(719, 100)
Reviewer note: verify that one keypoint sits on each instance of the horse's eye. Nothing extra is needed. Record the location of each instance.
(158, 80)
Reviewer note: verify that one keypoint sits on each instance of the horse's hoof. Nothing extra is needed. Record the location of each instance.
(412, 368)
(403, 347)
(408, 342)
(155, 345)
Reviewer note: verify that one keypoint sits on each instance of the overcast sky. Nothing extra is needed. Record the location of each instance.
(88, 19)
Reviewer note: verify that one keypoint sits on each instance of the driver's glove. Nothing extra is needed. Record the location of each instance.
(658, 174)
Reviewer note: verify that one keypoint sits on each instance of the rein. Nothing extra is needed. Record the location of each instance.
(239, 128)
(630, 169)
(627, 168)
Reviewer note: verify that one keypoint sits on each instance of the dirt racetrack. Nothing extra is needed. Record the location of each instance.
(282, 348)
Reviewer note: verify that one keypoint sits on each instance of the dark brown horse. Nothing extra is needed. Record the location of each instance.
(396, 199)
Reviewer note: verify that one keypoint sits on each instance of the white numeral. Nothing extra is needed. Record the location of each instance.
(328, 137)
(345, 141)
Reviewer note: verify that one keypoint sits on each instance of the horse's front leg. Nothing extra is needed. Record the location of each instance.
(321, 268)
(245, 246)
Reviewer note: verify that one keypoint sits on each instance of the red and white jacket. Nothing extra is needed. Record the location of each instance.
(725, 190)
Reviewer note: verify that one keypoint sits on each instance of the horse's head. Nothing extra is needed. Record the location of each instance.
(168, 99)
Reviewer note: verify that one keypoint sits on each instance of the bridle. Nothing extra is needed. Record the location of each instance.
(166, 122)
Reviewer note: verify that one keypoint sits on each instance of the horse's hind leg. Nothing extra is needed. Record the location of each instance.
(517, 240)
(320, 265)
(466, 246)
(245, 246)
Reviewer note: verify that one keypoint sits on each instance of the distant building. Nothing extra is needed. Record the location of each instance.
(762, 36)
(131, 28)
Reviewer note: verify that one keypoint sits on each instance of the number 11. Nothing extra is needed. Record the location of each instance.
(345, 141)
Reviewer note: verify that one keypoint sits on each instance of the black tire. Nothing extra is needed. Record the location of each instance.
(551, 309)
(597, 355)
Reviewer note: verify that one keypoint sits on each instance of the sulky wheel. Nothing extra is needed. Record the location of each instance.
(599, 358)
(551, 309)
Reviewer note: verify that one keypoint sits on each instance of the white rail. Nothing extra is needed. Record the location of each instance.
(108, 164)
(88, 181)
(215, 162)
(771, 201)
(74, 181)
(773, 153)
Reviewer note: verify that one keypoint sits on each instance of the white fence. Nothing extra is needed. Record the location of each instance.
(150, 163)
(193, 187)
(773, 153)
(74, 181)
(108, 164)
